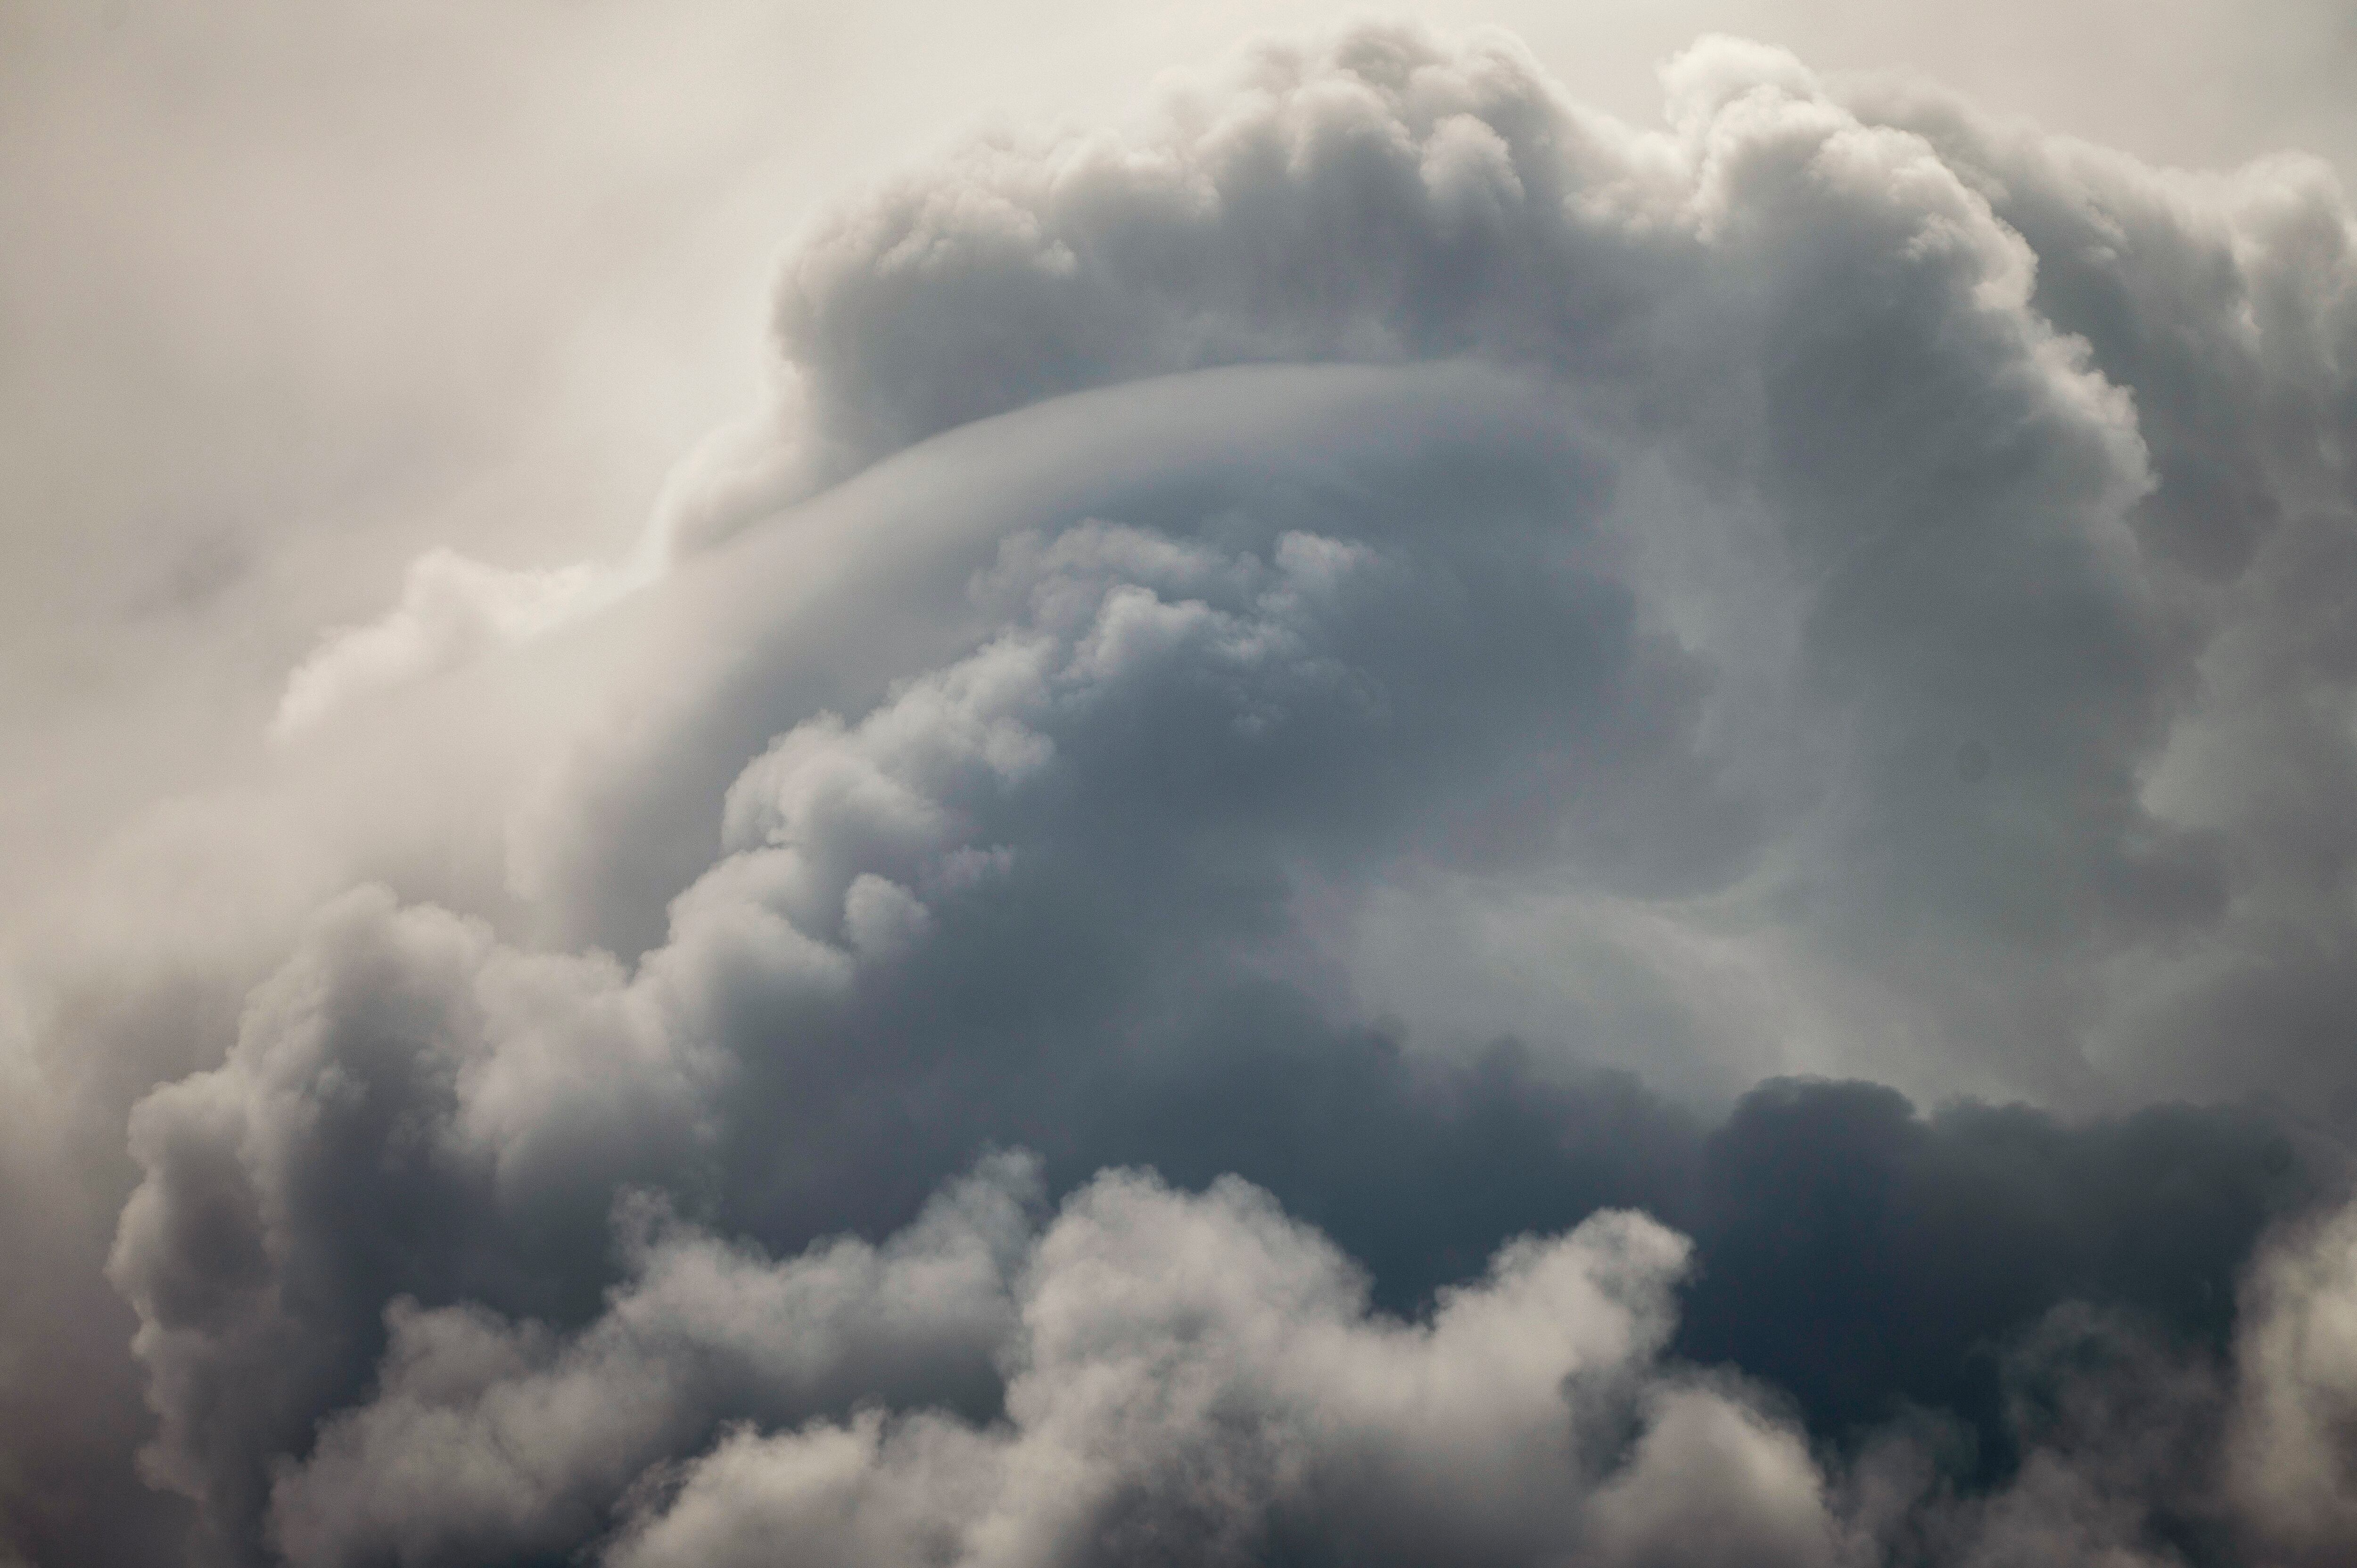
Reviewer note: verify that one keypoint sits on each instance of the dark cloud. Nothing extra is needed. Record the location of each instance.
(484, 1440)
(1865, 1258)
(1147, 927)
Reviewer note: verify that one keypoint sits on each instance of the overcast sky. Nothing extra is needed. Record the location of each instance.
(1054, 785)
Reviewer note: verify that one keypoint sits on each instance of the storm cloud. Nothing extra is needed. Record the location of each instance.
(1376, 820)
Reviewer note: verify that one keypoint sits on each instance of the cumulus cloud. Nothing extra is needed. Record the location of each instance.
(486, 1441)
(451, 607)
(1199, 1377)
(1188, 1377)
(2293, 1455)
(1385, 637)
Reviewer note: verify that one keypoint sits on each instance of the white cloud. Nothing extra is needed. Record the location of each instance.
(1193, 1376)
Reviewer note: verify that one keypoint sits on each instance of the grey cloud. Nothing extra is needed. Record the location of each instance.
(1917, 438)
(1848, 591)
(2292, 1460)
(484, 1440)
(1198, 1379)
(2223, 307)
(1199, 1376)
(832, 992)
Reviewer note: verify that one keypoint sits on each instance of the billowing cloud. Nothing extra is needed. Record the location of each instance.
(1263, 879)
(2292, 1459)
(1199, 1381)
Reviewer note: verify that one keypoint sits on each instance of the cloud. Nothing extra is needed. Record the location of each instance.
(2292, 1454)
(1382, 635)
(1199, 1374)
(454, 609)
(450, 608)
(1187, 1376)
(486, 1441)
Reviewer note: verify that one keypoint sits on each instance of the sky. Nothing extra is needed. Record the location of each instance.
(1052, 785)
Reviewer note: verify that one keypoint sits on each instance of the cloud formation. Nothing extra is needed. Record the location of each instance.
(1385, 647)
